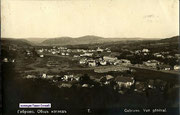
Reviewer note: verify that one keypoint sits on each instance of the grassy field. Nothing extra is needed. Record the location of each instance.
(70, 65)
(144, 74)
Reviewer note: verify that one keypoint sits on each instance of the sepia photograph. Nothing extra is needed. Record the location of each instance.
(90, 57)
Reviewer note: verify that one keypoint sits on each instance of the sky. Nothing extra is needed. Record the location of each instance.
(75, 18)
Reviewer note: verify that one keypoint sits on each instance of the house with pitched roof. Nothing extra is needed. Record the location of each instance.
(126, 82)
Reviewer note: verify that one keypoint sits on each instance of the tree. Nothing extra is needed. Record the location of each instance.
(85, 79)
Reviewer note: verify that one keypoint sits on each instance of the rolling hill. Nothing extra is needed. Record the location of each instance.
(17, 42)
(81, 40)
(172, 39)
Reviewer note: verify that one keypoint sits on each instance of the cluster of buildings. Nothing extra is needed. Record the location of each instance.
(66, 80)
(90, 57)
(70, 78)
(121, 81)
(105, 60)
(64, 51)
(76, 53)
(6, 60)
(154, 64)
(143, 51)
(55, 50)
(163, 54)
(158, 61)
(55, 77)
(29, 53)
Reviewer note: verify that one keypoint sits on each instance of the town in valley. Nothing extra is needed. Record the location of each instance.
(133, 73)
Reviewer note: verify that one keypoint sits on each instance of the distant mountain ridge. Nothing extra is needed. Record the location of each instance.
(80, 40)
(89, 39)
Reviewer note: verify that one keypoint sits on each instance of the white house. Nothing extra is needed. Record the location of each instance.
(28, 53)
(5, 60)
(67, 54)
(75, 56)
(137, 52)
(63, 54)
(99, 49)
(145, 50)
(53, 52)
(109, 77)
(41, 50)
(92, 63)
(83, 61)
(158, 55)
(44, 75)
(102, 62)
(41, 56)
(177, 67)
(151, 63)
(68, 78)
(13, 60)
(30, 76)
(85, 85)
(124, 81)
